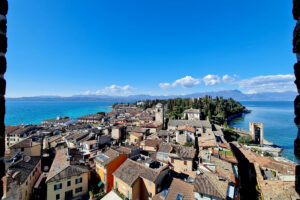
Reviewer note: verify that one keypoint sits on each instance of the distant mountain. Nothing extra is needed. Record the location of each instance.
(235, 94)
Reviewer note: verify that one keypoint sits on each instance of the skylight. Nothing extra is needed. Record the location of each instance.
(164, 193)
(179, 196)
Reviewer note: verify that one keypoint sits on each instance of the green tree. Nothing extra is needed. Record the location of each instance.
(230, 135)
(188, 144)
(267, 154)
(245, 140)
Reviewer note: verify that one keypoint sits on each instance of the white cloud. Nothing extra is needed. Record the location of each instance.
(271, 83)
(229, 79)
(165, 85)
(113, 89)
(87, 92)
(185, 82)
(211, 79)
(116, 88)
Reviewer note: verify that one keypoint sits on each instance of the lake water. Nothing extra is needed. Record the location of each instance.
(28, 112)
(278, 117)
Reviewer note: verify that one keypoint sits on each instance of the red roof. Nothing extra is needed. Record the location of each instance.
(137, 134)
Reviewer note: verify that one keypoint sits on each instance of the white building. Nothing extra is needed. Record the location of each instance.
(192, 114)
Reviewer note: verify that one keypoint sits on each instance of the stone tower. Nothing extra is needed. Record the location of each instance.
(159, 113)
(257, 132)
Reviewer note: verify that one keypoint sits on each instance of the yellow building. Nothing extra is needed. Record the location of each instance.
(140, 179)
(106, 165)
(65, 180)
(136, 138)
(20, 178)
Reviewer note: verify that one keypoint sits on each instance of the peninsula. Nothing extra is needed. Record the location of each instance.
(161, 149)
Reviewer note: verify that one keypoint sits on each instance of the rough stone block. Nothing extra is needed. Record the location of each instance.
(2, 86)
(3, 7)
(297, 105)
(3, 25)
(2, 64)
(297, 75)
(296, 39)
(297, 120)
(2, 109)
(297, 66)
(296, 9)
(3, 43)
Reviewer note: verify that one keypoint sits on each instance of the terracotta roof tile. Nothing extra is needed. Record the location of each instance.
(136, 134)
(209, 183)
(178, 187)
(187, 128)
(106, 157)
(130, 171)
(152, 143)
(61, 167)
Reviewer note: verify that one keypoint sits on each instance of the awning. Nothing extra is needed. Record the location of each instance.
(100, 183)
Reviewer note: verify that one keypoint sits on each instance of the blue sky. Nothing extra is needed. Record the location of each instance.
(66, 47)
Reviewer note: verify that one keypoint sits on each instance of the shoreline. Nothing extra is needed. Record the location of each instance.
(269, 147)
(240, 114)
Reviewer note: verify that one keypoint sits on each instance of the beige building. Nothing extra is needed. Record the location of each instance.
(135, 138)
(140, 179)
(26, 147)
(150, 144)
(185, 134)
(117, 132)
(153, 127)
(66, 180)
(180, 157)
(20, 178)
(15, 134)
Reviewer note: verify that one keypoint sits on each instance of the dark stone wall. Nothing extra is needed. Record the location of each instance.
(3, 50)
(247, 175)
(296, 50)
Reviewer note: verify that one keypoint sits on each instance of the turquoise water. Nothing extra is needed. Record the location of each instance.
(28, 112)
(278, 119)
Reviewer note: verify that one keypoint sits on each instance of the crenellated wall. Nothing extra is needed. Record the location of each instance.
(3, 49)
(296, 50)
